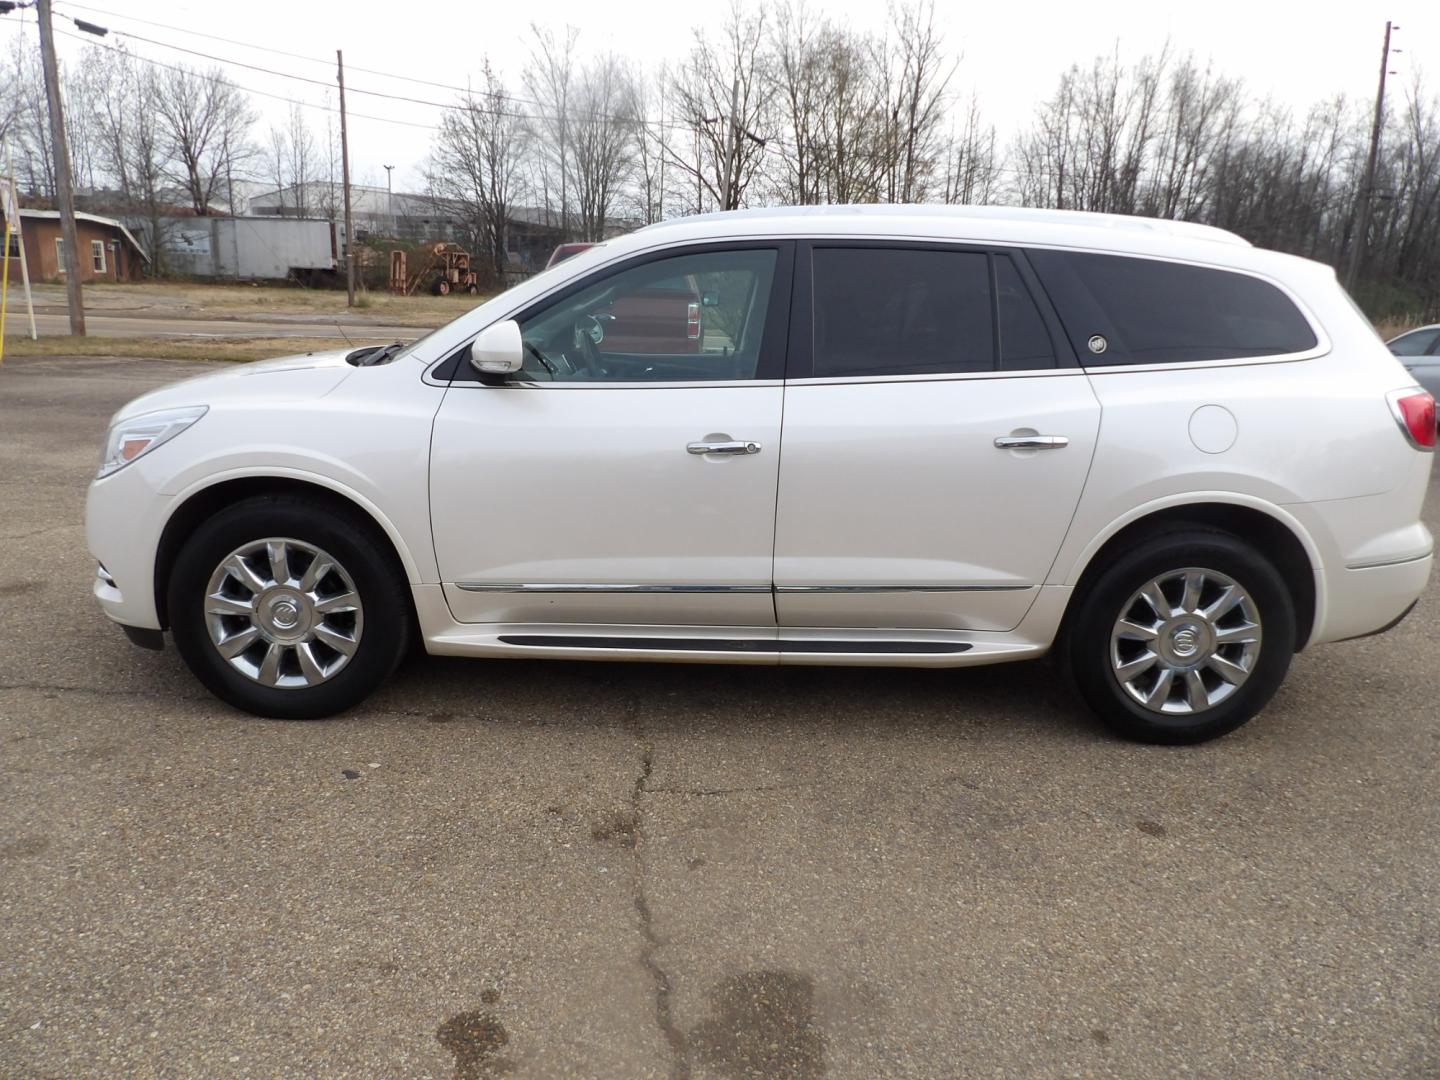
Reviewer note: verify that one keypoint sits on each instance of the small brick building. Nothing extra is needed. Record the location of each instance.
(108, 250)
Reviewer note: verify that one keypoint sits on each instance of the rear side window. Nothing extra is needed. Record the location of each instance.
(1024, 341)
(884, 311)
(1123, 310)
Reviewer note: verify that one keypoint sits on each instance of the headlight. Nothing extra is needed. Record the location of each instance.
(131, 438)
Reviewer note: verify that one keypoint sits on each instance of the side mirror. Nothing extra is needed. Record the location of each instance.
(498, 349)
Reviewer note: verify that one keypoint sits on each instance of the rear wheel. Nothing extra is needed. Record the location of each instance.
(286, 607)
(1184, 638)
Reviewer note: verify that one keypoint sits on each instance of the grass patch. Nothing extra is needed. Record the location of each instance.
(161, 299)
(171, 348)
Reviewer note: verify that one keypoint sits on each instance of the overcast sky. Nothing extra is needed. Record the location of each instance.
(1011, 53)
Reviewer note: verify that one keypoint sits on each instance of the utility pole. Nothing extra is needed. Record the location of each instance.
(1361, 223)
(345, 179)
(64, 195)
(390, 198)
(732, 148)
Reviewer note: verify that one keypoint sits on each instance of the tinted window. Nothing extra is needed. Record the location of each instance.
(881, 311)
(1121, 310)
(1415, 343)
(1024, 341)
(687, 318)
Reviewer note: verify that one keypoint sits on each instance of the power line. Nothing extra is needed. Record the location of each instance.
(468, 91)
(248, 89)
(292, 56)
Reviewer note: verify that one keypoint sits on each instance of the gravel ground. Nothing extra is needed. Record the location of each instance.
(549, 870)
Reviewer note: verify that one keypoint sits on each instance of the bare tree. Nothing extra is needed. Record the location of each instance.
(647, 188)
(474, 164)
(29, 124)
(603, 131)
(916, 73)
(206, 121)
(723, 91)
(971, 168)
(548, 82)
(276, 151)
(300, 159)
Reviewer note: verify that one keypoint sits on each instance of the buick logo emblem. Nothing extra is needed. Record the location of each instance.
(1098, 344)
(1184, 641)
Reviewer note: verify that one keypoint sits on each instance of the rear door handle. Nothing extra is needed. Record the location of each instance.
(724, 446)
(1031, 442)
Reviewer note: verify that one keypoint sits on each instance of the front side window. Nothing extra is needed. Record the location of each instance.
(97, 256)
(1415, 343)
(687, 318)
(59, 255)
(902, 311)
(1123, 310)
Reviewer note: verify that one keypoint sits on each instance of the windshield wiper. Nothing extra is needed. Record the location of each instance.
(380, 355)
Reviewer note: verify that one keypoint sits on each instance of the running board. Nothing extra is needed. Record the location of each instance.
(738, 645)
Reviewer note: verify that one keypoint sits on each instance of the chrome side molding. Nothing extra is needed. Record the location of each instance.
(586, 587)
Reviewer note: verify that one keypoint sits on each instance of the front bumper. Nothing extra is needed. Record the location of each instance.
(124, 515)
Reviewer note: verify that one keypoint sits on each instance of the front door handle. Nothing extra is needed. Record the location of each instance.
(1031, 442)
(724, 446)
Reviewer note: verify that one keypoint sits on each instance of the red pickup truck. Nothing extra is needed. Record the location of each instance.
(662, 318)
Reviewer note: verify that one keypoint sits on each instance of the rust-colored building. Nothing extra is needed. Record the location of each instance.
(108, 250)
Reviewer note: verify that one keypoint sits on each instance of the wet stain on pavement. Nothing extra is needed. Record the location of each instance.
(764, 1026)
(617, 827)
(489, 997)
(24, 847)
(474, 1038)
(1150, 828)
(1100, 1037)
(695, 863)
(16, 588)
(441, 717)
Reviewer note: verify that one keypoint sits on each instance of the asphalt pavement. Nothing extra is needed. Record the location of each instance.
(554, 869)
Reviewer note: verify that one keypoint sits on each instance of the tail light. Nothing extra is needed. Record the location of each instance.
(1414, 411)
(692, 321)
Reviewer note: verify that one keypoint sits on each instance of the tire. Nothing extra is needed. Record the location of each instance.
(328, 646)
(1240, 653)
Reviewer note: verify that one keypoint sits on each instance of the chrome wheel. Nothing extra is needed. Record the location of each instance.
(1186, 641)
(283, 613)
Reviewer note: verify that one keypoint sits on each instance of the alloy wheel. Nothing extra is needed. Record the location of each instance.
(1186, 641)
(283, 613)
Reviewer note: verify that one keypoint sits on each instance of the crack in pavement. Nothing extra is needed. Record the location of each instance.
(707, 792)
(99, 691)
(650, 941)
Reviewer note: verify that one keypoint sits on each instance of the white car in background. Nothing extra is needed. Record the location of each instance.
(915, 436)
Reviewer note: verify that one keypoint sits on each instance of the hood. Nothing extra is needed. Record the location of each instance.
(301, 377)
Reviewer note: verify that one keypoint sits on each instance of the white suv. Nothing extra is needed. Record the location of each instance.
(885, 435)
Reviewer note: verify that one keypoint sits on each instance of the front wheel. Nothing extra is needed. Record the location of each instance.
(286, 607)
(1182, 639)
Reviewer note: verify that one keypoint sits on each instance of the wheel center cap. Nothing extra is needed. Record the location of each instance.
(1186, 641)
(284, 616)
